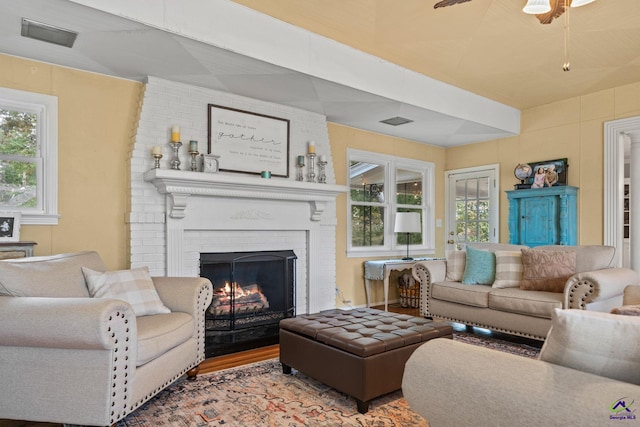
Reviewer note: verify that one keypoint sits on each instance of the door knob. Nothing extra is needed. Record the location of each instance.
(450, 241)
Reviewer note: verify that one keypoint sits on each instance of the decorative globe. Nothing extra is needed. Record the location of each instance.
(522, 172)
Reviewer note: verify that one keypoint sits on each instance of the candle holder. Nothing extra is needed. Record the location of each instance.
(194, 160)
(156, 158)
(300, 166)
(322, 176)
(175, 163)
(311, 175)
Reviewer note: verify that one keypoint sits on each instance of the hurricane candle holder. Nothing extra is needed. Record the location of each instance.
(300, 166)
(194, 160)
(311, 175)
(175, 162)
(322, 176)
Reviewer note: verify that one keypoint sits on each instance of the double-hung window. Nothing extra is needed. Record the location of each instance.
(379, 187)
(29, 155)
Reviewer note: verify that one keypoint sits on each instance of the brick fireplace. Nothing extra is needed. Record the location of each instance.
(176, 215)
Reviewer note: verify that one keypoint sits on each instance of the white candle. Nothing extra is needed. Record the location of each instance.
(193, 145)
(323, 158)
(156, 150)
(175, 134)
(312, 147)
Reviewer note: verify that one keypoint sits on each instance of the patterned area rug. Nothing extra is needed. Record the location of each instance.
(261, 395)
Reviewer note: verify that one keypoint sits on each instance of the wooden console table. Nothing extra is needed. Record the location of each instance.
(16, 249)
(380, 270)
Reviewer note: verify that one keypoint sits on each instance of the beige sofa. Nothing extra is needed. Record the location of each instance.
(68, 358)
(596, 286)
(589, 380)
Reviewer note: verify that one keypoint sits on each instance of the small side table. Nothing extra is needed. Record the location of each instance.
(16, 249)
(381, 270)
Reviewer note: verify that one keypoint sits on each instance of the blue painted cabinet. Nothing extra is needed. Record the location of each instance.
(543, 216)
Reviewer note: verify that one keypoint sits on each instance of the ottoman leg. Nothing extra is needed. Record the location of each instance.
(363, 407)
(286, 369)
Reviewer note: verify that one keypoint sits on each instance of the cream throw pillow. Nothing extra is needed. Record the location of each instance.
(133, 286)
(508, 269)
(600, 343)
(455, 265)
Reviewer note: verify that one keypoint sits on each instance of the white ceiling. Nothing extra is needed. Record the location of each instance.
(485, 47)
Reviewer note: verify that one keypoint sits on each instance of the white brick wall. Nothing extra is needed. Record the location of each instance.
(167, 103)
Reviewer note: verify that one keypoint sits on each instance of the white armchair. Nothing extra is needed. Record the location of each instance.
(69, 358)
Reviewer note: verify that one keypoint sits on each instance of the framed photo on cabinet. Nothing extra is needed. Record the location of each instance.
(548, 173)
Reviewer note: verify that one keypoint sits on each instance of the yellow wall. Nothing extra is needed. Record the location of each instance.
(572, 128)
(350, 271)
(97, 116)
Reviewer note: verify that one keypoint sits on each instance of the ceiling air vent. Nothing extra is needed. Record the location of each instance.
(47, 33)
(396, 121)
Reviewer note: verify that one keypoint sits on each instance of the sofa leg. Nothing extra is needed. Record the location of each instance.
(192, 373)
(286, 369)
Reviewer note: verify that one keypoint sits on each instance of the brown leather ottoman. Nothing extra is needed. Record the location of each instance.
(360, 352)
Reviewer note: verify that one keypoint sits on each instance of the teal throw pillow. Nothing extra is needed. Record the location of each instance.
(480, 268)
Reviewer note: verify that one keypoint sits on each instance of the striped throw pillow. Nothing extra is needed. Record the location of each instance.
(508, 269)
(134, 286)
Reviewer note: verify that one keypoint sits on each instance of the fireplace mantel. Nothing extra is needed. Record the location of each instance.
(180, 185)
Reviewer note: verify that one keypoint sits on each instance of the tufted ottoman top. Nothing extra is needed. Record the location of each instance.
(366, 331)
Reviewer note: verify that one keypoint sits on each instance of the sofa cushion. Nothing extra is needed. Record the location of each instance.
(133, 286)
(531, 303)
(508, 269)
(588, 257)
(48, 276)
(600, 343)
(480, 267)
(547, 270)
(474, 295)
(161, 332)
(455, 265)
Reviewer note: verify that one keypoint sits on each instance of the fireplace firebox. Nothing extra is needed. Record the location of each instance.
(253, 291)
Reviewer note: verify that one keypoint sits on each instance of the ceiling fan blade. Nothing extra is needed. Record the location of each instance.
(444, 3)
(557, 9)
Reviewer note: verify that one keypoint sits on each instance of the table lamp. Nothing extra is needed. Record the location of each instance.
(407, 222)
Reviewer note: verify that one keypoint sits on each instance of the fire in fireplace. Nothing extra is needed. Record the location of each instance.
(253, 291)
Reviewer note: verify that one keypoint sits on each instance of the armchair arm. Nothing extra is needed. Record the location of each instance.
(591, 286)
(82, 348)
(68, 323)
(189, 295)
(427, 272)
(456, 384)
(186, 294)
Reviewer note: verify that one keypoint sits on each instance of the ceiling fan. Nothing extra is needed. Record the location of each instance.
(557, 7)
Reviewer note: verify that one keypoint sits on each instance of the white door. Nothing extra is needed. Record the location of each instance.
(472, 208)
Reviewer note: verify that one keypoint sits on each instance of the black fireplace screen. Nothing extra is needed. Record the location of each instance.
(253, 291)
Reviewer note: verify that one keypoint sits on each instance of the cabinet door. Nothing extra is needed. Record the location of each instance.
(538, 219)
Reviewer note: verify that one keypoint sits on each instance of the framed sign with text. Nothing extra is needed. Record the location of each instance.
(248, 142)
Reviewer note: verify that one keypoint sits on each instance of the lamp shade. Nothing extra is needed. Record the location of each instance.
(407, 222)
(578, 3)
(536, 7)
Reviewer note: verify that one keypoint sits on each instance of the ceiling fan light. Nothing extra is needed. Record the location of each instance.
(536, 7)
(578, 3)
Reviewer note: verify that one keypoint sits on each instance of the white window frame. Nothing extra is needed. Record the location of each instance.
(390, 247)
(46, 108)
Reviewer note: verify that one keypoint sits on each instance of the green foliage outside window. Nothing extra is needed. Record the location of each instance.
(18, 150)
